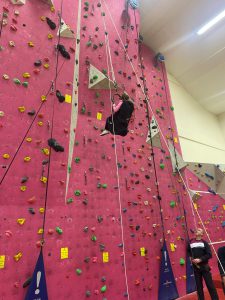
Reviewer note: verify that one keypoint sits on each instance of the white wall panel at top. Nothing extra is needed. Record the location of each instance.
(201, 136)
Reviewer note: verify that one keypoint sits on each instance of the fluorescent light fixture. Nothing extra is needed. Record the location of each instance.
(211, 23)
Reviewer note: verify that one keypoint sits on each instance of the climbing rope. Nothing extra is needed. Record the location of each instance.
(52, 125)
(191, 201)
(35, 116)
(109, 61)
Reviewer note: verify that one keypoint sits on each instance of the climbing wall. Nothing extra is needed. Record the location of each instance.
(105, 230)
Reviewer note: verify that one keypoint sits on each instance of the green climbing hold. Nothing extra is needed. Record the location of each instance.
(25, 84)
(83, 110)
(89, 43)
(97, 95)
(162, 166)
(58, 230)
(76, 143)
(86, 3)
(78, 271)
(77, 193)
(172, 108)
(104, 186)
(85, 16)
(93, 238)
(182, 262)
(16, 81)
(70, 200)
(104, 71)
(172, 204)
(95, 77)
(103, 289)
(77, 160)
(69, 169)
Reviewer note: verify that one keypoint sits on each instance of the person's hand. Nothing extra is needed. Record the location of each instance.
(196, 260)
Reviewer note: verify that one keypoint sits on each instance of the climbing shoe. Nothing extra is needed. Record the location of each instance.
(55, 145)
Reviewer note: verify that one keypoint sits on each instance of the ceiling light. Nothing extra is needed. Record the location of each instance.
(211, 23)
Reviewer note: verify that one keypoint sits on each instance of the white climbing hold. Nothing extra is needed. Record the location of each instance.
(18, 2)
(66, 31)
(177, 160)
(155, 134)
(97, 80)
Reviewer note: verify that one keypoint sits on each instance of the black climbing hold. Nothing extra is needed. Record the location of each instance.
(27, 282)
(50, 23)
(55, 145)
(63, 51)
(24, 179)
(60, 97)
(38, 63)
(31, 112)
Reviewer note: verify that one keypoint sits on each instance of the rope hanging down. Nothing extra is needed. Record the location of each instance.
(35, 116)
(109, 60)
(190, 198)
(52, 126)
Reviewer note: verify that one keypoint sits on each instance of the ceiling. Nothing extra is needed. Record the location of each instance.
(197, 62)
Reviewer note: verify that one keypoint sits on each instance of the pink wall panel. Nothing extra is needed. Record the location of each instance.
(126, 216)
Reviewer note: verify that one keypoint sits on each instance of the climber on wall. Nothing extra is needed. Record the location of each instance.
(200, 252)
(122, 113)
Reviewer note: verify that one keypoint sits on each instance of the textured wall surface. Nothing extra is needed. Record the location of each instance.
(112, 181)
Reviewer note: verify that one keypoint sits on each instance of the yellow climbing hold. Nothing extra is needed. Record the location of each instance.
(5, 76)
(21, 221)
(30, 44)
(21, 109)
(27, 158)
(29, 139)
(45, 151)
(43, 98)
(172, 247)
(43, 179)
(23, 188)
(43, 18)
(40, 230)
(41, 210)
(26, 75)
(40, 123)
(52, 9)
(46, 66)
(18, 256)
(6, 156)
(50, 36)
(142, 251)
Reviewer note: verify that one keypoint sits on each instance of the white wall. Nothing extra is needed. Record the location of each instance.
(202, 136)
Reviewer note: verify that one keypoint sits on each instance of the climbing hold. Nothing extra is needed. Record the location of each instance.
(172, 204)
(63, 51)
(104, 185)
(16, 81)
(5, 76)
(21, 221)
(27, 158)
(88, 294)
(27, 282)
(93, 238)
(77, 193)
(50, 23)
(162, 166)
(60, 97)
(78, 271)
(103, 289)
(55, 145)
(18, 256)
(70, 200)
(26, 75)
(6, 156)
(30, 44)
(182, 262)
(58, 230)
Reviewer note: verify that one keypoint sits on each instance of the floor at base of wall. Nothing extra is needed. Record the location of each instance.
(218, 284)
